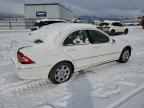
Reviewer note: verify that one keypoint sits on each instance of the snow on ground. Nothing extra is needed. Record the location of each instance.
(110, 85)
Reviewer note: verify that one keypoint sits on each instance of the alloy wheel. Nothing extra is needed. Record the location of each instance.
(62, 73)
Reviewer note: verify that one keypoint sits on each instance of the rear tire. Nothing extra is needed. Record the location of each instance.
(125, 55)
(112, 32)
(61, 73)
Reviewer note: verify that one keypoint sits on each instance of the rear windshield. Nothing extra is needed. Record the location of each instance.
(43, 23)
(104, 24)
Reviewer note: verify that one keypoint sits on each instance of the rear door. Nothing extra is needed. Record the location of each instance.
(78, 48)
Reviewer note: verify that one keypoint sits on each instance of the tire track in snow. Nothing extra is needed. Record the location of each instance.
(22, 85)
(14, 84)
(126, 97)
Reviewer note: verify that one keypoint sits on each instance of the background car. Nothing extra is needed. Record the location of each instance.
(64, 48)
(113, 27)
(43, 22)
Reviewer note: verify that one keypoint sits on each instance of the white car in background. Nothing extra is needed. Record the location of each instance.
(58, 50)
(43, 22)
(113, 27)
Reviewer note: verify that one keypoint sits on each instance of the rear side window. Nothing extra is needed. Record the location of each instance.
(43, 23)
(97, 37)
(77, 38)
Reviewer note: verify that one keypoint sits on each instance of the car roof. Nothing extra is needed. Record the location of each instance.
(110, 22)
(57, 31)
(63, 26)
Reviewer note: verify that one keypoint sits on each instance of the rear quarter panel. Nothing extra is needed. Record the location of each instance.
(44, 56)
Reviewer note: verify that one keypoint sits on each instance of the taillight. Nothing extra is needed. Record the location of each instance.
(23, 59)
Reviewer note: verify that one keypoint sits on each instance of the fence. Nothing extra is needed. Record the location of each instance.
(12, 25)
(19, 23)
(15, 23)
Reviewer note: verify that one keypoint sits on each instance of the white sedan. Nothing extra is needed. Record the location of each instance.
(58, 50)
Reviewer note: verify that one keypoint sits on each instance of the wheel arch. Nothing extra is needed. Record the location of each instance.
(71, 63)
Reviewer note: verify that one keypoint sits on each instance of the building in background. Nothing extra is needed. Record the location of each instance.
(53, 10)
(41, 11)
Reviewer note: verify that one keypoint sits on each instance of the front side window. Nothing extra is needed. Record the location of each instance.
(120, 24)
(115, 24)
(77, 38)
(97, 37)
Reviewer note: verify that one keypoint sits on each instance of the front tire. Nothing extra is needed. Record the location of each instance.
(125, 55)
(112, 32)
(126, 31)
(61, 73)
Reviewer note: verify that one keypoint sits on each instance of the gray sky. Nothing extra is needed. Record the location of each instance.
(127, 8)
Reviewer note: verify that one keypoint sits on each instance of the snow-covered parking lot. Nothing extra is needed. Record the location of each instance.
(110, 85)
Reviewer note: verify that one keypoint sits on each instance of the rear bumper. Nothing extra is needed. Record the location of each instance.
(34, 73)
(31, 71)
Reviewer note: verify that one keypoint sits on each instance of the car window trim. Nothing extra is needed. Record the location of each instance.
(77, 45)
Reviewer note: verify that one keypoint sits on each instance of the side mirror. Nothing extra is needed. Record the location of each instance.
(113, 41)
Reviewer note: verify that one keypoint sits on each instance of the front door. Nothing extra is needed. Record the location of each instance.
(103, 48)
